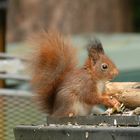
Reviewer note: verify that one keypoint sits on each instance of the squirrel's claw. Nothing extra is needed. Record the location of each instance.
(120, 108)
(110, 111)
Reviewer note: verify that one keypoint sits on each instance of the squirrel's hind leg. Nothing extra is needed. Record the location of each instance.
(63, 113)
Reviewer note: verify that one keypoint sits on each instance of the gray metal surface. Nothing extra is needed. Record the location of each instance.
(97, 120)
(76, 133)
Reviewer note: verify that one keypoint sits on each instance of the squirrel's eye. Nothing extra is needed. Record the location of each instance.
(104, 66)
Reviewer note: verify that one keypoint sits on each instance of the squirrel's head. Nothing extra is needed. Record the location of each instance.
(98, 63)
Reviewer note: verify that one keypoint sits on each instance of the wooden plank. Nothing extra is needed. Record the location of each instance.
(19, 77)
(126, 92)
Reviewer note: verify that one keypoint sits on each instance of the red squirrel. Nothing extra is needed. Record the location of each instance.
(62, 88)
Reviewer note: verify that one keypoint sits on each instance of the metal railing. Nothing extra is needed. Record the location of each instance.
(16, 105)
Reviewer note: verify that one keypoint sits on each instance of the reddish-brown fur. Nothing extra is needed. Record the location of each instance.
(62, 88)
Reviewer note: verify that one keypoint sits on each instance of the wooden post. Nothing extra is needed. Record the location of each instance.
(2, 30)
(3, 5)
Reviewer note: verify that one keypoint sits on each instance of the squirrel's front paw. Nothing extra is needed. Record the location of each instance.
(118, 108)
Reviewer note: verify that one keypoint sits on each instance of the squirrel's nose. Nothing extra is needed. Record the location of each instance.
(115, 72)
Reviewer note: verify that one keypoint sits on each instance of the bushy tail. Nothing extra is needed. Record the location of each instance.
(52, 58)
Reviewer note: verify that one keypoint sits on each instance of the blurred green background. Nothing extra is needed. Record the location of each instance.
(115, 22)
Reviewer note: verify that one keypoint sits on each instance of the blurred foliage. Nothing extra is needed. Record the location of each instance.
(136, 15)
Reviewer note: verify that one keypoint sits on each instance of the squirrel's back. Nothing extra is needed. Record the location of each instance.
(52, 58)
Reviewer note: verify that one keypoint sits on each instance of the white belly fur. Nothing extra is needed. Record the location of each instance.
(100, 86)
(82, 109)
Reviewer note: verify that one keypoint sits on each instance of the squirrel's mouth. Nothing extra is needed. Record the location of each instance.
(111, 78)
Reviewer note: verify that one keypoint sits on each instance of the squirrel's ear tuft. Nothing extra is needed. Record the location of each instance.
(95, 49)
(95, 46)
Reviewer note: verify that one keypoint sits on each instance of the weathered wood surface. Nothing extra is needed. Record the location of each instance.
(126, 92)
(2, 32)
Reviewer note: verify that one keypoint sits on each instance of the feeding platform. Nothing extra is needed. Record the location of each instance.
(120, 126)
(83, 128)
